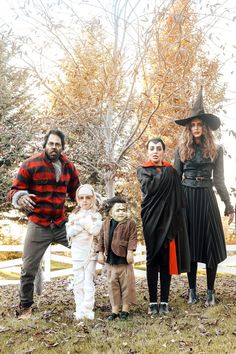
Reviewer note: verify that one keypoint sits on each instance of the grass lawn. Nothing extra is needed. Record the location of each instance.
(187, 329)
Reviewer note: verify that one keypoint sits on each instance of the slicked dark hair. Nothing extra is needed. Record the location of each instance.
(156, 141)
(109, 203)
(55, 132)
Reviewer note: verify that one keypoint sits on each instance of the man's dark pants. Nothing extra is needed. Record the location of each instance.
(37, 240)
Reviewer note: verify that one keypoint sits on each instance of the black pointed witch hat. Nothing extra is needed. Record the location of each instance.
(198, 112)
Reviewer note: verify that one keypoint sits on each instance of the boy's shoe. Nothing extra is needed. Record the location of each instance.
(124, 315)
(153, 310)
(89, 315)
(113, 316)
(211, 299)
(77, 315)
(163, 309)
(80, 315)
(23, 313)
(192, 296)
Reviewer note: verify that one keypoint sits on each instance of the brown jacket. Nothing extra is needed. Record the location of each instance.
(124, 238)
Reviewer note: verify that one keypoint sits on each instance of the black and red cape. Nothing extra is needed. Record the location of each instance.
(163, 215)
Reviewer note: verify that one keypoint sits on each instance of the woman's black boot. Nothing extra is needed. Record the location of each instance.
(211, 299)
(192, 296)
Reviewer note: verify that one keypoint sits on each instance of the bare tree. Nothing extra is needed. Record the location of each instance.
(118, 74)
(16, 112)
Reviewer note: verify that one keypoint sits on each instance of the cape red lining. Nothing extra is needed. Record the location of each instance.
(173, 263)
(151, 164)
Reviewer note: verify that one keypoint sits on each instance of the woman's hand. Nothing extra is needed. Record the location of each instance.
(231, 218)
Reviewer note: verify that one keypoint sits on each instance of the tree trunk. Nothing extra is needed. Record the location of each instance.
(109, 184)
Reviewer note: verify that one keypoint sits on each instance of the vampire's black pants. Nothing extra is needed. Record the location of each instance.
(165, 277)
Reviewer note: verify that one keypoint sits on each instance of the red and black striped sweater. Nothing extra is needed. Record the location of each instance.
(37, 176)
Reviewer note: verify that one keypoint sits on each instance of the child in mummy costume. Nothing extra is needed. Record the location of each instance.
(83, 227)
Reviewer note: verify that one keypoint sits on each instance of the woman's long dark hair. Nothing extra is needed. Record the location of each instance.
(187, 148)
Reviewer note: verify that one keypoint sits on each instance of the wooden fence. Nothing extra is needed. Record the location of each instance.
(228, 266)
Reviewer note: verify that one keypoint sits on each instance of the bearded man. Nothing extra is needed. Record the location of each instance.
(40, 189)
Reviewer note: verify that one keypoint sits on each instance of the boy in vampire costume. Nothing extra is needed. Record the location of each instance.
(164, 225)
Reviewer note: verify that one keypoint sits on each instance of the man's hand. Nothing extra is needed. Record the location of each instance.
(101, 258)
(26, 202)
(130, 257)
(231, 218)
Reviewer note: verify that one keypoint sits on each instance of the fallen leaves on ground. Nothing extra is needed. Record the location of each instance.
(188, 325)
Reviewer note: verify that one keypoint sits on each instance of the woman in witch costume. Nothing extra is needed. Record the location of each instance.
(164, 225)
(197, 160)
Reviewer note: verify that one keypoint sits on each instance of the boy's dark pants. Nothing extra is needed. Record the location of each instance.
(37, 240)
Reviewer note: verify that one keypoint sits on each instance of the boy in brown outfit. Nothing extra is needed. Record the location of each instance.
(117, 242)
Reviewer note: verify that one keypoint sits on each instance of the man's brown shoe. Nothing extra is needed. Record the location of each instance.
(23, 313)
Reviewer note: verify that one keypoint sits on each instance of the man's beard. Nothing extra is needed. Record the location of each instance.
(53, 158)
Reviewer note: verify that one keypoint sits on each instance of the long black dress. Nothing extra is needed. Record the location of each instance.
(163, 214)
(206, 236)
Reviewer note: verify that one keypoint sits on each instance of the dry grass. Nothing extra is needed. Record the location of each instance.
(187, 329)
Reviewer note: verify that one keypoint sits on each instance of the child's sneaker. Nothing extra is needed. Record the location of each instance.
(78, 315)
(164, 308)
(113, 316)
(89, 315)
(124, 315)
(153, 310)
